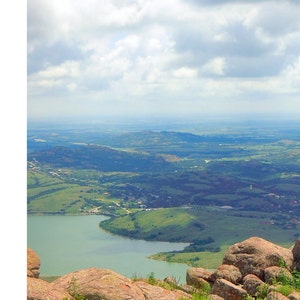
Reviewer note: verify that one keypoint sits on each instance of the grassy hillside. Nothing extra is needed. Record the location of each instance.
(207, 228)
(59, 192)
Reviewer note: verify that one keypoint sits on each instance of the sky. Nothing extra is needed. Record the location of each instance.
(113, 58)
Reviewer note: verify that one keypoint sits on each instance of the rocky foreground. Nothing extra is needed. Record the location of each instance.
(252, 269)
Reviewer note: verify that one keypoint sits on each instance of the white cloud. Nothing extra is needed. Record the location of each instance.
(185, 72)
(275, 18)
(67, 69)
(291, 76)
(111, 55)
(216, 66)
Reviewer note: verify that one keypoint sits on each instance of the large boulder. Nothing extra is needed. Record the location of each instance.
(228, 290)
(33, 264)
(255, 254)
(251, 283)
(96, 284)
(228, 272)
(38, 289)
(276, 273)
(195, 276)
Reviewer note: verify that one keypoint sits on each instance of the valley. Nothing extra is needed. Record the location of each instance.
(209, 188)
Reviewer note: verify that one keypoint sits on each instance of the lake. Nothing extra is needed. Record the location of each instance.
(69, 243)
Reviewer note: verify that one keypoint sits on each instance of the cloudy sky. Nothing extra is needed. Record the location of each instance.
(101, 58)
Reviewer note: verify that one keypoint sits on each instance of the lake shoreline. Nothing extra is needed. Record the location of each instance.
(69, 243)
(155, 256)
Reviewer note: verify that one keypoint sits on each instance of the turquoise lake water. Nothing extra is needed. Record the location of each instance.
(70, 243)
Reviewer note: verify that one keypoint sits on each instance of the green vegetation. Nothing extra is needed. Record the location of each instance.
(209, 188)
(201, 293)
(160, 224)
(205, 259)
(151, 279)
(262, 291)
(200, 226)
(283, 283)
(209, 231)
(60, 192)
(73, 290)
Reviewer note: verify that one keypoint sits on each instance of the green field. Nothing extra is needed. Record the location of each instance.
(198, 224)
(53, 195)
(209, 187)
(209, 231)
(204, 259)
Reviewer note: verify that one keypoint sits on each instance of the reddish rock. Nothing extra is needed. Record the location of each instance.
(228, 290)
(194, 276)
(256, 259)
(294, 296)
(96, 284)
(187, 288)
(33, 264)
(215, 297)
(152, 292)
(296, 250)
(296, 255)
(251, 283)
(255, 254)
(273, 273)
(38, 289)
(228, 272)
(171, 280)
(276, 296)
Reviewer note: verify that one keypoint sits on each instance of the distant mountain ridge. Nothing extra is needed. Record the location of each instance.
(99, 158)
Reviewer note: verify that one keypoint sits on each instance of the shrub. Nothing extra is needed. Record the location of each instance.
(262, 291)
(284, 289)
(151, 279)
